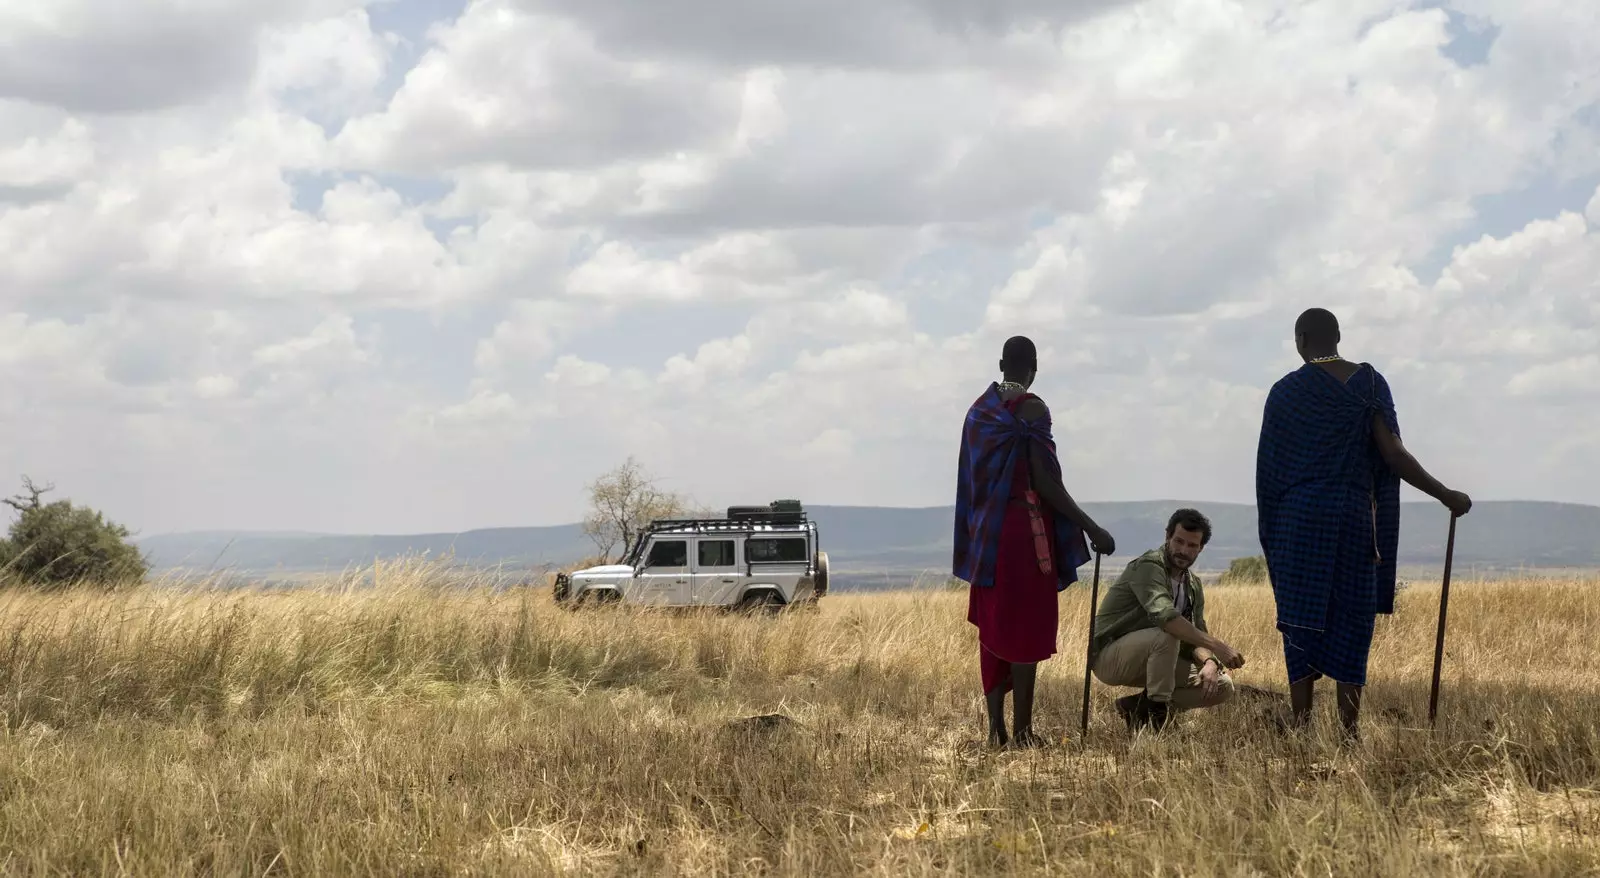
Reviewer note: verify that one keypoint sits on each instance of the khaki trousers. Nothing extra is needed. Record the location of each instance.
(1148, 659)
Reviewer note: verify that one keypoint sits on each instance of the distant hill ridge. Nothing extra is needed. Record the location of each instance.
(879, 543)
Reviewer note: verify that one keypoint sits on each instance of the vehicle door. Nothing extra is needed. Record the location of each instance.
(716, 571)
(778, 559)
(663, 581)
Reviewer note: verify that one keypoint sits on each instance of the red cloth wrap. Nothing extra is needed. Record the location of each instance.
(1016, 617)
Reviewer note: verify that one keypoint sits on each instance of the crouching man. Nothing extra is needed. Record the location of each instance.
(1150, 632)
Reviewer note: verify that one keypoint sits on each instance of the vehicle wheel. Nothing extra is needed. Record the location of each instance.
(600, 598)
(760, 603)
(822, 574)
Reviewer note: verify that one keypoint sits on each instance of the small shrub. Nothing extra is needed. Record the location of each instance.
(57, 544)
(1245, 571)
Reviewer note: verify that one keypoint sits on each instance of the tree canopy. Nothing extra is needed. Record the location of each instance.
(58, 544)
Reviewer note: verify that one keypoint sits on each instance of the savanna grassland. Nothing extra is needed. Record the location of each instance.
(429, 726)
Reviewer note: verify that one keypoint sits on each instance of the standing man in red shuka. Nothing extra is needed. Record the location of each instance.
(1019, 538)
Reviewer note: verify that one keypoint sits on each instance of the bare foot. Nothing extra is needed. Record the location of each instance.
(1286, 722)
(1025, 739)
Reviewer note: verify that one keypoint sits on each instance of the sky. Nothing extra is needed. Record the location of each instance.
(398, 266)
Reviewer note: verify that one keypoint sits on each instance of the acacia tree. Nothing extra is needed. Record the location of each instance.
(58, 544)
(623, 502)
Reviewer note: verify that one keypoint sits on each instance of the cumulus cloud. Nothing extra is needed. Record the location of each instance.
(109, 56)
(263, 268)
(503, 85)
(330, 67)
(893, 33)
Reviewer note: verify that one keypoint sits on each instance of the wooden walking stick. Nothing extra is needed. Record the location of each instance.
(1444, 605)
(1094, 597)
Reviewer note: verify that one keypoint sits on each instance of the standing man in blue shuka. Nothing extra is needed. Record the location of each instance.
(1328, 471)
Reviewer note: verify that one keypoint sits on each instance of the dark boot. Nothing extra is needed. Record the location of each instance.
(1131, 709)
(1157, 714)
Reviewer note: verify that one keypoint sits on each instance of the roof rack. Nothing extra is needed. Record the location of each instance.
(779, 515)
(783, 516)
(725, 525)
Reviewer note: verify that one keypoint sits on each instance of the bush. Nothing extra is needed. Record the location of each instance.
(1245, 571)
(58, 544)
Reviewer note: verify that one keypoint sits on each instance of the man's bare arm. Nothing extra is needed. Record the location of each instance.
(1053, 492)
(1406, 466)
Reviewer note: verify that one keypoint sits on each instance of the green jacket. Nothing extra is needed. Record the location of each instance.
(1142, 598)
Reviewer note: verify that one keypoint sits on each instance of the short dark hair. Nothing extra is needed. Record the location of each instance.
(1019, 356)
(1190, 519)
(1319, 326)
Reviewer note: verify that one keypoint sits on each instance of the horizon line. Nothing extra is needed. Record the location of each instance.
(288, 533)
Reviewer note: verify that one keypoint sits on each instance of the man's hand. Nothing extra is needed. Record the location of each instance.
(1229, 656)
(1458, 503)
(1210, 678)
(1100, 540)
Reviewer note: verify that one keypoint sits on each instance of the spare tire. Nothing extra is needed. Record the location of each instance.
(821, 578)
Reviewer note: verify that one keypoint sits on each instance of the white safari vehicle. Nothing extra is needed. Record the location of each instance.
(757, 558)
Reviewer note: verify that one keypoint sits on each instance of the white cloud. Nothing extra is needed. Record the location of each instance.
(531, 90)
(1572, 377)
(112, 56)
(328, 66)
(215, 386)
(891, 33)
(529, 336)
(255, 275)
(43, 157)
(716, 359)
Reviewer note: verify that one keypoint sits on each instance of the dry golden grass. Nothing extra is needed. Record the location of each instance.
(414, 729)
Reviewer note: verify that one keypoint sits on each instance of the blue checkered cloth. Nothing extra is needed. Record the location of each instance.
(1328, 516)
(994, 441)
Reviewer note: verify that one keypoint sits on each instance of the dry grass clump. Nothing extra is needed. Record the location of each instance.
(446, 726)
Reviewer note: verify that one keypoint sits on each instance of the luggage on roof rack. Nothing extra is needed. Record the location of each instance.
(779, 511)
(787, 511)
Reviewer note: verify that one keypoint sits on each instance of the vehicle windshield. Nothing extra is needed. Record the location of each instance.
(632, 558)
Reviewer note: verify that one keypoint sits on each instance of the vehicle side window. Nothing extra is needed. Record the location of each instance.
(716, 553)
(768, 550)
(669, 553)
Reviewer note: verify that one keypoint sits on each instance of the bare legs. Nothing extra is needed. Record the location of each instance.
(1349, 698)
(1350, 710)
(996, 699)
(1022, 705)
(1022, 680)
(1300, 696)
